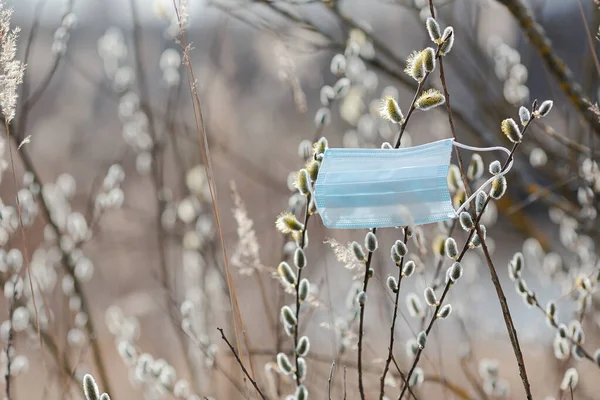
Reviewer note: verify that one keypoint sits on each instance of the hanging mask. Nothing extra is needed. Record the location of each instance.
(373, 188)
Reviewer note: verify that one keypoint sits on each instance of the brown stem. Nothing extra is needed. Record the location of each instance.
(510, 327)
(427, 330)
(393, 327)
(296, 329)
(252, 381)
(329, 380)
(361, 387)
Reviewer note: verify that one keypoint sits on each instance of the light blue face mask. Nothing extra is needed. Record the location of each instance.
(373, 188)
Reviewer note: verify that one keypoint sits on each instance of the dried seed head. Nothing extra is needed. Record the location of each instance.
(422, 339)
(413, 303)
(286, 274)
(429, 99)
(392, 284)
(400, 248)
(524, 115)
(300, 258)
(284, 364)
(495, 167)
(358, 252)
(451, 248)
(371, 242)
(511, 130)
(412, 347)
(570, 379)
(480, 200)
(312, 167)
(498, 188)
(476, 167)
(301, 393)
(445, 311)
(390, 110)
(303, 346)
(361, 298)
(288, 316)
(455, 272)
(433, 29)
(302, 182)
(409, 268)
(417, 378)
(287, 223)
(466, 221)
(430, 297)
(301, 368)
(544, 109)
(447, 41)
(90, 388)
(303, 289)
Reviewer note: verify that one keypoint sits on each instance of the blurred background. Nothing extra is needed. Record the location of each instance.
(121, 235)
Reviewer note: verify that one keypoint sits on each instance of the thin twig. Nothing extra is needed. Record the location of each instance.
(361, 387)
(200, 127)
(393, 327)
(9, 345)
(510, 326)
(329, 380)
(297, 288)
(344, 382)
(252, 381)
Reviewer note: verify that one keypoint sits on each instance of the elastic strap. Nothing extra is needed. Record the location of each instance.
(482, 187)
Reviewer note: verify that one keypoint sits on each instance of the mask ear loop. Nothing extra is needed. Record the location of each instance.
(482, 187)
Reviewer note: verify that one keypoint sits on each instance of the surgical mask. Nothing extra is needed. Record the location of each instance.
(373, 188)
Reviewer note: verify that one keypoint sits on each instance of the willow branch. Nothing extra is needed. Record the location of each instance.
(557, 67)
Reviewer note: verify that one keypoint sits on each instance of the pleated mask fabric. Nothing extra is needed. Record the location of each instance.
(372, 188)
